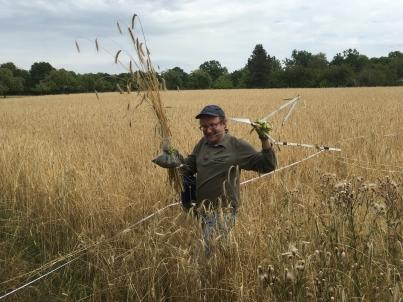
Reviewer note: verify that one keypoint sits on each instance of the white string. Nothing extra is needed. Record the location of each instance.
(282, 168)
(362, 167)
(68, 262)
(364, 136)
(142, 220)
(368, 168)
(148, 217)
(174, 204)
(37, 279)
(357, 161)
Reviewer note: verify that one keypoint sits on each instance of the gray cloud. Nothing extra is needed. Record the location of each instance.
(186, 33)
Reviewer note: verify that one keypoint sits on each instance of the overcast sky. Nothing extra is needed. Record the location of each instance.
(186, 33)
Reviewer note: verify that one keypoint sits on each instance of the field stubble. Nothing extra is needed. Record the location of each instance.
(75, 171)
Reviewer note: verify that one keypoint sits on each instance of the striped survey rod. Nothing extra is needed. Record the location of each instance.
(317, 147)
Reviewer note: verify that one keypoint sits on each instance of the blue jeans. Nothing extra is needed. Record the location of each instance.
(216, 226)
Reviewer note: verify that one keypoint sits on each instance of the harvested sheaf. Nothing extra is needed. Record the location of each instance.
(146, 81)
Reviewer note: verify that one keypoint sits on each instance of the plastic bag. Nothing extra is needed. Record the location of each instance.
(169, 159)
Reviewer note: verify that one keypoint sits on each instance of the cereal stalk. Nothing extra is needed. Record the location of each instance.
(149, 85)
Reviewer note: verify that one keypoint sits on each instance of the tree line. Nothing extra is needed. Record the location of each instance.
(302, 69)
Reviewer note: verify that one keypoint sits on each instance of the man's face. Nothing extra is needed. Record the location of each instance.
(213, 128)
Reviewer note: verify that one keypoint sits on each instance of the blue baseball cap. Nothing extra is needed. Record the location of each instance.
(211, 110)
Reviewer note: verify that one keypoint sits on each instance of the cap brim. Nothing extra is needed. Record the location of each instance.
(200, 115)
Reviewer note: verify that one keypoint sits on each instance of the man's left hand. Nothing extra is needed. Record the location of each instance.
(262, 129)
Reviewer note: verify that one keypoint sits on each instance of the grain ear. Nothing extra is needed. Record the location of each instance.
(77, 46)
(133, 20)
(119, 28)
(117, 56)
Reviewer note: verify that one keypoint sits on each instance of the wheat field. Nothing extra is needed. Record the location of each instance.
(76, 176)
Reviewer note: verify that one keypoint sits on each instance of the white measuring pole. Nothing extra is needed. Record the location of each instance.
(280, 108)
(289, 113)
(318, 147)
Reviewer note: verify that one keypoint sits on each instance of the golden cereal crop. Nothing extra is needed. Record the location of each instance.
(76, 170)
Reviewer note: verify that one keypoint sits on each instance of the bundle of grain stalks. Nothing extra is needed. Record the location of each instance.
(145, 78)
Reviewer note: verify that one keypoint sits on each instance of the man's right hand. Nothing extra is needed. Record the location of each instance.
(169, 159)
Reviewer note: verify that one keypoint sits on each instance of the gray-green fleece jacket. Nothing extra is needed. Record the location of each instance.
(211, 164)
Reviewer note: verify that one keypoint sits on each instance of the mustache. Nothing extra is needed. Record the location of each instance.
(216, 134)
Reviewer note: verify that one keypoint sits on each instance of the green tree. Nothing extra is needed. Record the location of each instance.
(276, 78)
(240, 77)
(374, 75)
(87, 82)
(59, 81)
(5, 79)
(105, 82)
(338, 60)
(223, 82)
(214, 69)
(305, 69)
(396, 67)
(38, 72)
(260, 68)
(10, 66)
(199, 79)
(306, 59)
(356, 60)
(298, 76)
(9, 84)
(339, 76)
(18, 73)
(175, 78)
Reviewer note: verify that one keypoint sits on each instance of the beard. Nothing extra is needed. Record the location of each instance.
(214, 137)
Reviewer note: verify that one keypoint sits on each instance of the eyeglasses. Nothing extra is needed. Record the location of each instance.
(212, 125)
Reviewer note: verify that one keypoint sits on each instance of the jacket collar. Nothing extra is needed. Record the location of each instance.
(224, 142)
